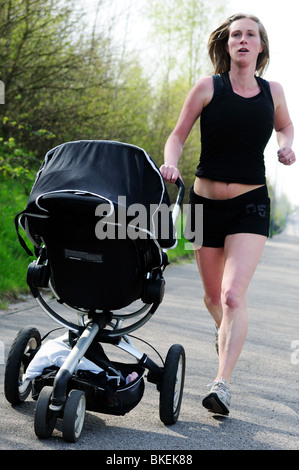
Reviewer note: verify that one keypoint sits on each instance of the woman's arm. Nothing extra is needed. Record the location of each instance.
(200, 95)
(283, 125)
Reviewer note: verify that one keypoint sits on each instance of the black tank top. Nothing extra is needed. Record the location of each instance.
(234, 134)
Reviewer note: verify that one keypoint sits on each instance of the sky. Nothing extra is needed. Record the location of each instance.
(280, 20)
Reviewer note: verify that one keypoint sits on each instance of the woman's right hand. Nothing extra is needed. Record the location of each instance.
(170, 173)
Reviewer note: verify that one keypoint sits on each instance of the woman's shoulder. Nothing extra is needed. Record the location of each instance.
(277, 93)
(205, 83)
(276, 87)
(209, 80)
(205, 88)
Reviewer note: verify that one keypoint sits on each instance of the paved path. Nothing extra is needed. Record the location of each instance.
(265, 401)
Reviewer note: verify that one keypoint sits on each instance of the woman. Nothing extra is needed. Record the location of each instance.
(238, 111)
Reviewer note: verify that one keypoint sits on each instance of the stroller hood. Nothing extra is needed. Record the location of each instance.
(117, 173)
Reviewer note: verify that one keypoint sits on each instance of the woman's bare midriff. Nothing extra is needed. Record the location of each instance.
(220, 190)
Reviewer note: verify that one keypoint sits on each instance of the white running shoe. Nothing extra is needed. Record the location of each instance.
(218, 400)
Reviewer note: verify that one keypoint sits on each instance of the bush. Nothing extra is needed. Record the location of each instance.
(13, 259)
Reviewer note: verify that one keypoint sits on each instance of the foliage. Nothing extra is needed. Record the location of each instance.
(181, 29)
(63, 80)
(18, 163)
(13, 259)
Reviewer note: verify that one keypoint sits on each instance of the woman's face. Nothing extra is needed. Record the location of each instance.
(244, 42)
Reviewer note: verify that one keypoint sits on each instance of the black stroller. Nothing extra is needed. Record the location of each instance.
(100, 220)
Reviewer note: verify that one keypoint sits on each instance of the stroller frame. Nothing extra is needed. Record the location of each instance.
(57, 398)
(87, 333)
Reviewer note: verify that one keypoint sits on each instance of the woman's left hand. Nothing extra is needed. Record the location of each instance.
(286, 156)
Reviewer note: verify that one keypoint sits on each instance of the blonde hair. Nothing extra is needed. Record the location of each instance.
(218, 41)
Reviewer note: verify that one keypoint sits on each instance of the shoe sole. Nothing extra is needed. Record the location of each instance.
(213, 404)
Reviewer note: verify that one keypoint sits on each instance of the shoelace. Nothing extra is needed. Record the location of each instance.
(219, 384)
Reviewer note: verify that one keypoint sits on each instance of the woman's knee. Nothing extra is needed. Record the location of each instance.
(232, 299)
(212, 299)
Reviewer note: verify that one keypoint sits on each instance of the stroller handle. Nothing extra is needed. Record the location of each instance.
(179, 200)
(181, 191)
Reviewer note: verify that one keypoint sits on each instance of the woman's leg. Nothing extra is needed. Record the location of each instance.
(226, 274)
(242, 253)
(210, 262)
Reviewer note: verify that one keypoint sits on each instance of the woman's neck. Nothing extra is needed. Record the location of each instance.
(243, 81)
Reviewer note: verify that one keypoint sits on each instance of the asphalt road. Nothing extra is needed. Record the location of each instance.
(265, 401)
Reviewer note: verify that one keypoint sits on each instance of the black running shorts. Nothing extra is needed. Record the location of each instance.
(247, 213)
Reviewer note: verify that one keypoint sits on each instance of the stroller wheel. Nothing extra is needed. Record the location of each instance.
(25, 345)
(44, 418)
(74, 415)
(172, 385)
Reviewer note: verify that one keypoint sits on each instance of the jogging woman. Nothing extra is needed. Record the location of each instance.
(238, 111)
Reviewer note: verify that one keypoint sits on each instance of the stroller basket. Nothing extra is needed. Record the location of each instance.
(101, 397)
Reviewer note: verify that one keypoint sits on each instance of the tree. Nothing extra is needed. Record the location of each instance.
(64, 80)
(181, 29)
(45, 65)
